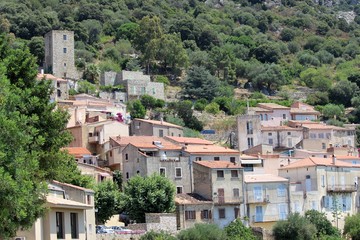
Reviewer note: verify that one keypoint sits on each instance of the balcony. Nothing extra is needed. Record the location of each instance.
(93, 139)
(258, 200)
(268, 218)
(341, 188)
(228, 200)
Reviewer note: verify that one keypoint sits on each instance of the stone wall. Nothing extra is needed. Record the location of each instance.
(161, 222)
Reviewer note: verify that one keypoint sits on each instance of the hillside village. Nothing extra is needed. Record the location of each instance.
(280, 159)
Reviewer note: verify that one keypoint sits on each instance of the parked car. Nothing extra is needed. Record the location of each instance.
(121, 230)
(101, 229)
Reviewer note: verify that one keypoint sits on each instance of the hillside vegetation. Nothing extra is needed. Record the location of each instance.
(209, 47)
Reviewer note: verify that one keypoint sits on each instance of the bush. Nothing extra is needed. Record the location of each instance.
(212, 108)
(295, 227)
(152, 235)
(352, 226)
(202, 232)
(200, 104)
(162, 79)
(237, 231)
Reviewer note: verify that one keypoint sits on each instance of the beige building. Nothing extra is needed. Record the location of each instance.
(323, 184)
(271, 114)
(267, 199)
(70, 215)
(248, 131)
(300, 111)
(281, 136)
(143, 127)
(59, 54)
(221, 182)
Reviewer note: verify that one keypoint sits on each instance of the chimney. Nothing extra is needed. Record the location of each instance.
(162, 120)
(333, 159)
(42, 71)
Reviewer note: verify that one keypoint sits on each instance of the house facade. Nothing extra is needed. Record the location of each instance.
(281, 136)
(222, 182)
(267, 199)
(143, 127)
(70, 215)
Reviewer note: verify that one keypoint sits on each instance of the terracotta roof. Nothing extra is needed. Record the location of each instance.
(65, 203)
(348, 157)
(189, 140)
(146, 142)
(304, 111)
(258, 178)
(315, 161)
(244, 156)
(321, 126)
(49, 77)
(191, 198)
(209, 150)
(259, 109)
(279, 128)
(272, 106)
(218, 164)
(77, 151)
(161, 123)
(299, 104)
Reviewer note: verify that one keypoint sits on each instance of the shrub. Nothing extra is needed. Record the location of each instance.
(212, 108)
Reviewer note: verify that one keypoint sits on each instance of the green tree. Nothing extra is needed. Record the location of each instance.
(37, 48)
(137, 110)
(127, 31)
(149, 102)
(330, 111)
(352, 226)
(202, 232)
(295, 227)
(237, 231)
(107, 201)
(86, 87)
(152, 235)
(342, 92)
(212, 108)
(322, 224)
(269, 76)
(92, 74)
(151, 194)
(149, 29)
(199, 83)
(118, 179)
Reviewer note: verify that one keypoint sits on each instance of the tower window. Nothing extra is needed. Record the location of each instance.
(64, 37)
(64, 50)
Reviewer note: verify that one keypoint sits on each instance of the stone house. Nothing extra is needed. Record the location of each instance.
(192, 208)
(271, 114)
(59, 54)
(300, 111)
(70, 215)
(60, 86)
(143, 127)
(137, 84)
(281, 136)
(248, 131)
(221, 182)
(323, 184)
(267, 199)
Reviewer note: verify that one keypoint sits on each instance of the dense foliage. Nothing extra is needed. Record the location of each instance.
(352, 227)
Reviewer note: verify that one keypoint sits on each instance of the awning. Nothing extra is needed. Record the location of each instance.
(252, 161)
(104, 174)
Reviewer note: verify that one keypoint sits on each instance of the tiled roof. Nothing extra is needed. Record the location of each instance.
(209, 149)
(302, 111)
(78, 151)
(279, 128)
(314, 161)
(218, 164)
(259, 109)
(146, 142)
(72, 186)
(244, 156)
(191, 198)
(189, 140)
(348, 157)
(160, 123)
(272, 106)
(258, 178)
(41, 76)
(321, 126)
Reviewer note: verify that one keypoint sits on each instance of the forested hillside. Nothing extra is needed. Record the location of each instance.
(209, 47)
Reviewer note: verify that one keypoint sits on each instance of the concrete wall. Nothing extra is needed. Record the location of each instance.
(161, 221)
(281, 138)
(276, 118)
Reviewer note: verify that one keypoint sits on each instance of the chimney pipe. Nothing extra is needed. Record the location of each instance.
(333, 159)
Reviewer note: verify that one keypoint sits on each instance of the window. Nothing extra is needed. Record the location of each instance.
(64, 50)
(323, 180)
(236, 212)
(64, 64)
(269, 134)
(162, 171)
(250, 142)
(312, 135)
(161, 133)
(58, 93)
(249, 127)
(178, 172)
(271, 141)
(60, 225)
(323, 145)
(127, 175)
(198, 159)
(321, 135)
(282, 211)
(220, 173)
(222, 213)
(232, 159)
(248, 167)
(258, 193)
(216, 158)
(281, 190)
(234, 174)
(261, 117)
(64, 37)
(190, 215)
(126, 157)
(289, 133)
(328, 135)
(88, 199)
(153, 91)
(205, 214)
(142, 90)
(236, 192)
(284, 116)
(110, 153)
(74, 225)
(179, 190)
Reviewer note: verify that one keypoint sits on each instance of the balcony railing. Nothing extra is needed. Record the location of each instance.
(256, 199)
(268, 218)
(94, 139)
(342, 188)
(222, 200)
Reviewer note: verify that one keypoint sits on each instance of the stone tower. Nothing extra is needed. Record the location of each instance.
(59, 54)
